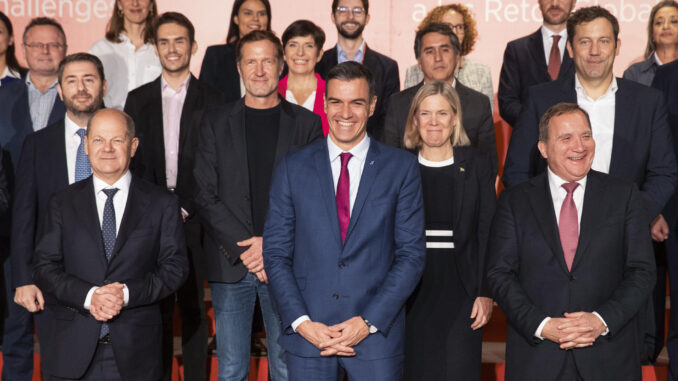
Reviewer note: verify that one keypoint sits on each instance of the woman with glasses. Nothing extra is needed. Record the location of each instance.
(445, 313)
(219, 69)
(127, 52)
(470, 73)
(10, 70)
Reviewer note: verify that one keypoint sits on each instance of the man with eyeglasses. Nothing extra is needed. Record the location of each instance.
(537, 58)
(26, 106)
(350, 17)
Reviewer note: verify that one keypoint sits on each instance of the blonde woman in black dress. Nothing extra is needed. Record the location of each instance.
(445, 313)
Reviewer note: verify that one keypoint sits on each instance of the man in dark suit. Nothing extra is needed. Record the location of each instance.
(167, 113)
(350, 17)
(26, 106)
(535, 59)
(342, 263)
(112, 247)
(570, 262)
(437, 50)
(239, 145)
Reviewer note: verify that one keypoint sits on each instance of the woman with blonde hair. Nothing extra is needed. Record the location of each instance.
(470, 73)
(443, 339)
(127, 52)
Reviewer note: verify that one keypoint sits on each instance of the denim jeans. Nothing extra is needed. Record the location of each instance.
(233, 310)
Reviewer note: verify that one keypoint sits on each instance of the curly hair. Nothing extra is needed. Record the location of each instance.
(471, 33)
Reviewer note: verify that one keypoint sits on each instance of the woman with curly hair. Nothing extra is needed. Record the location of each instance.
(470, 73)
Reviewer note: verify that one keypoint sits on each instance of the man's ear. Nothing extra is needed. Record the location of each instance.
(542, 149)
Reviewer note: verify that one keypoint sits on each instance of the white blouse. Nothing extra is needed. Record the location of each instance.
(308, 105)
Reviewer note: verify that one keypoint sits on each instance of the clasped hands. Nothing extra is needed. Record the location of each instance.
(337, 339)
(574, 330)
(253, 257)
(107, 301)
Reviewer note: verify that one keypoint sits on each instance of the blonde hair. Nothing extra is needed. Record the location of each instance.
(651, 43)
(470, 32)
(458, 138)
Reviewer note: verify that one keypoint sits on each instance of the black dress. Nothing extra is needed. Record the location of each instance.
(439, 341)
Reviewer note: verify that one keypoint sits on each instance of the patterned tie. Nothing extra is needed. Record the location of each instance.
(343, 196)
(568, 225)
(554, 58)
(82, 166)
(108, 233)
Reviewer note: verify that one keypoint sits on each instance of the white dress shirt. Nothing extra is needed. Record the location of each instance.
(119, 203)
(72, 140)
(126, 67)
(547, 36)
(602, 114)
(558, 194)
(308, 105)
(355, 172)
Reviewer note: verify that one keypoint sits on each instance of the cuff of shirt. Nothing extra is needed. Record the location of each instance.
(537, 333)
(88, 299)
(298, 322)
(125, 296)
(607, 330)
(184, 213)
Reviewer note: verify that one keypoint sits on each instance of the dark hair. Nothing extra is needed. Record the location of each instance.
(259, 35)
(557, 110)
(588, 14)
(116, 24)
(233, 30)
(435, 27)
(301, 28)
(40, 21)
(10, 55)
(470, 32)
(348, 71)
(129, 122)
(651, 43)
(366, 5)
(81, 57)
(174, 18)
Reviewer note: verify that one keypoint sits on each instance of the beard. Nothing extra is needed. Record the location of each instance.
(348, 35)
(557, 20)
(84, 110)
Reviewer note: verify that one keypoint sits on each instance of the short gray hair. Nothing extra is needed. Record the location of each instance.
(129, 122)
(557, 110)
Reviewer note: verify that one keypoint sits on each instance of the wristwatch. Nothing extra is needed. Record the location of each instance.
(372, 329)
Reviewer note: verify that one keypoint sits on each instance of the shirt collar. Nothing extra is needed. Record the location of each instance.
(547, 33)
(657, 60)
(30, 83)
(71, 127)
(122, 184)
(359, 151)
(9, 73)
(580, 89)
(358, 55)
(183, 86)
(556, 182)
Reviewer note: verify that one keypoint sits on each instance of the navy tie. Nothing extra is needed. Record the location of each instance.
(108, 233)
(82, 167)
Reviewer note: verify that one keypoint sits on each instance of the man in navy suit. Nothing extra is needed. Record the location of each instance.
(27, 105)
(527, 60)
(111, 248)
(344, 242)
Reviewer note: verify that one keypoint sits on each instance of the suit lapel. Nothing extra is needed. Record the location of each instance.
(190, 103)
(135, 208)
(459, 185)
(90, 217)
(538, 55)
(620, 147)
(59, 166)
(591, 216)
(58, 111)
(324, 169)
(285, 130)
(370, 170)
(239, 146)
(156, 130)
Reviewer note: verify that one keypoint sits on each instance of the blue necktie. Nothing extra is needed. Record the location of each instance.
(82, 166)
(108, 233)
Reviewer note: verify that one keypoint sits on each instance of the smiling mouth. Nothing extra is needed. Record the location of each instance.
(345, 124)
(577, 158)
(300, 62)
(254, 26)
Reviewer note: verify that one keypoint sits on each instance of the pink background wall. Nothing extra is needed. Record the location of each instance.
(390, 31)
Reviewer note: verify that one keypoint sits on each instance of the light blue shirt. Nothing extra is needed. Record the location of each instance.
(39, 103)
(342, 57)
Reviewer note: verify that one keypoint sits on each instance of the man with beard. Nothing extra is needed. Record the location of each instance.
(167, 113)
(51, 159)
(536, 58)
(350, 18)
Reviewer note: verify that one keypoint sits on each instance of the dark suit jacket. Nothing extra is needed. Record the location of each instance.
(641, 149)
(371, 275)
(475, 113)
(386, 79)
(524, 66)
(220, 71)
(612, 274)
(149, 257)
(42, 171)
(222, 178)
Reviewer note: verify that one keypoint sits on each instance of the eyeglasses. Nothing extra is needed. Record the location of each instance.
(41, 46)
(355, 11)
(457, 28)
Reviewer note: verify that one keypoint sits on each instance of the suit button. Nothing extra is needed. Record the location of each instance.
(342, 264)
(572, 277)
(335, 296)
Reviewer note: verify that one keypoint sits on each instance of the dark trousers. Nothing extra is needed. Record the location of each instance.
(102, 367)
(335, 368)
(672, 338)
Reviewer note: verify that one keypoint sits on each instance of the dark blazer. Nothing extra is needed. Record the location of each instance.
(371, 275)
(42, 171)
(475, 113)
(386, 79)
(612, 274)
(641, 151)
(149, 257)
(220, 71)
(144, 105)
(524, 66)
(222, 178)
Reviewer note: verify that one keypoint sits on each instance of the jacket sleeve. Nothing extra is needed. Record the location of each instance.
(519, 159)
(24, 217)
(508, 94)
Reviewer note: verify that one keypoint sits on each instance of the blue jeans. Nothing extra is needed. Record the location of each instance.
(233, 310)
